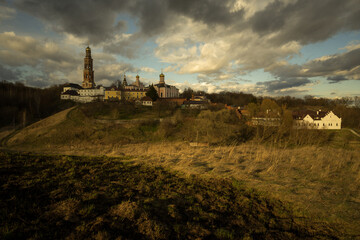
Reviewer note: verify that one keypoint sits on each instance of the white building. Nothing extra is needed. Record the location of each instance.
(165, 90)
(316, 120)
(83, 95)
(146, 101)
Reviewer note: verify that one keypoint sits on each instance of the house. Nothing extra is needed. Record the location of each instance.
(316, 120)
(146, 101)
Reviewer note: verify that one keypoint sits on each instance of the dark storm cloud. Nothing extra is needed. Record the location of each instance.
(127, 46)
(8, 74)
(336, 68)
(338, 78)
(276, 85)
(306, 21)
(28, 51)
(96, 20)
(18, 75)
(92, 19)
(207, 11)
(339, 62)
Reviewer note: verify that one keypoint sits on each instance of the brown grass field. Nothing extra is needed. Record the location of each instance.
(322, 181)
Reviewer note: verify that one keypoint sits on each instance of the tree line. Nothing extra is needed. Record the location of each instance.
(21, 105)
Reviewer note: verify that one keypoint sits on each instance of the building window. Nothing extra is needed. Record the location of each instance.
(336, 124)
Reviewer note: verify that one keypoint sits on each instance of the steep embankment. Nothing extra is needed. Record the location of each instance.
(87, 125)
(41, 128)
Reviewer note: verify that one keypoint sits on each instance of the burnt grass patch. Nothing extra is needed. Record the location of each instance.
(57, 197)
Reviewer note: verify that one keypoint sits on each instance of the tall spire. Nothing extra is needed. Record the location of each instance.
(88, 75)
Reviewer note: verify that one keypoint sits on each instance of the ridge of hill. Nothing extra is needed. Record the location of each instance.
(40, 128)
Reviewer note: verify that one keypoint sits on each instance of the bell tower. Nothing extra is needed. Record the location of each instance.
(88, 78)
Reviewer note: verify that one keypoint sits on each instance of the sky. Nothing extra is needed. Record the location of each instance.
(264, 47)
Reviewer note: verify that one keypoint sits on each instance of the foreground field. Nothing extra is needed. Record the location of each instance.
(317, 172)
(323, 182)
(52, 197)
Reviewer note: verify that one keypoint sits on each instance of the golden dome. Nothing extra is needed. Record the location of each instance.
(88, 48)
(162, 75)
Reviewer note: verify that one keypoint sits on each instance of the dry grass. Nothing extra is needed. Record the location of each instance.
(72, 197)
(322, 181)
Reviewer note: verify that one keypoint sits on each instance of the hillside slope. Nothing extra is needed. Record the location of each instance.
(40, 128)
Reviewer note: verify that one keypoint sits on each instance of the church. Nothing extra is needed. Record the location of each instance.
(164, 90)
(89, 92)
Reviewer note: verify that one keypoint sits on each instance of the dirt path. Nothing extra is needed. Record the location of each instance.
(355, 133)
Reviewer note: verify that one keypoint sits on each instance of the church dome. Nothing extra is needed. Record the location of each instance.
(88, 49)
(162, 75)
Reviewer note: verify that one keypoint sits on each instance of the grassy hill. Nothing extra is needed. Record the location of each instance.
(111, 124)
(316, 171)
(57, 197)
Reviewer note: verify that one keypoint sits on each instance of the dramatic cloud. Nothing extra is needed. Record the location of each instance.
(306, 21)
(6, 13)
(126, 45)
(24, 50)
(336, 68)
(220, 41)
(335, 79)
(95, 20)
(345, 66)
(283, 84)
(42, 62)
